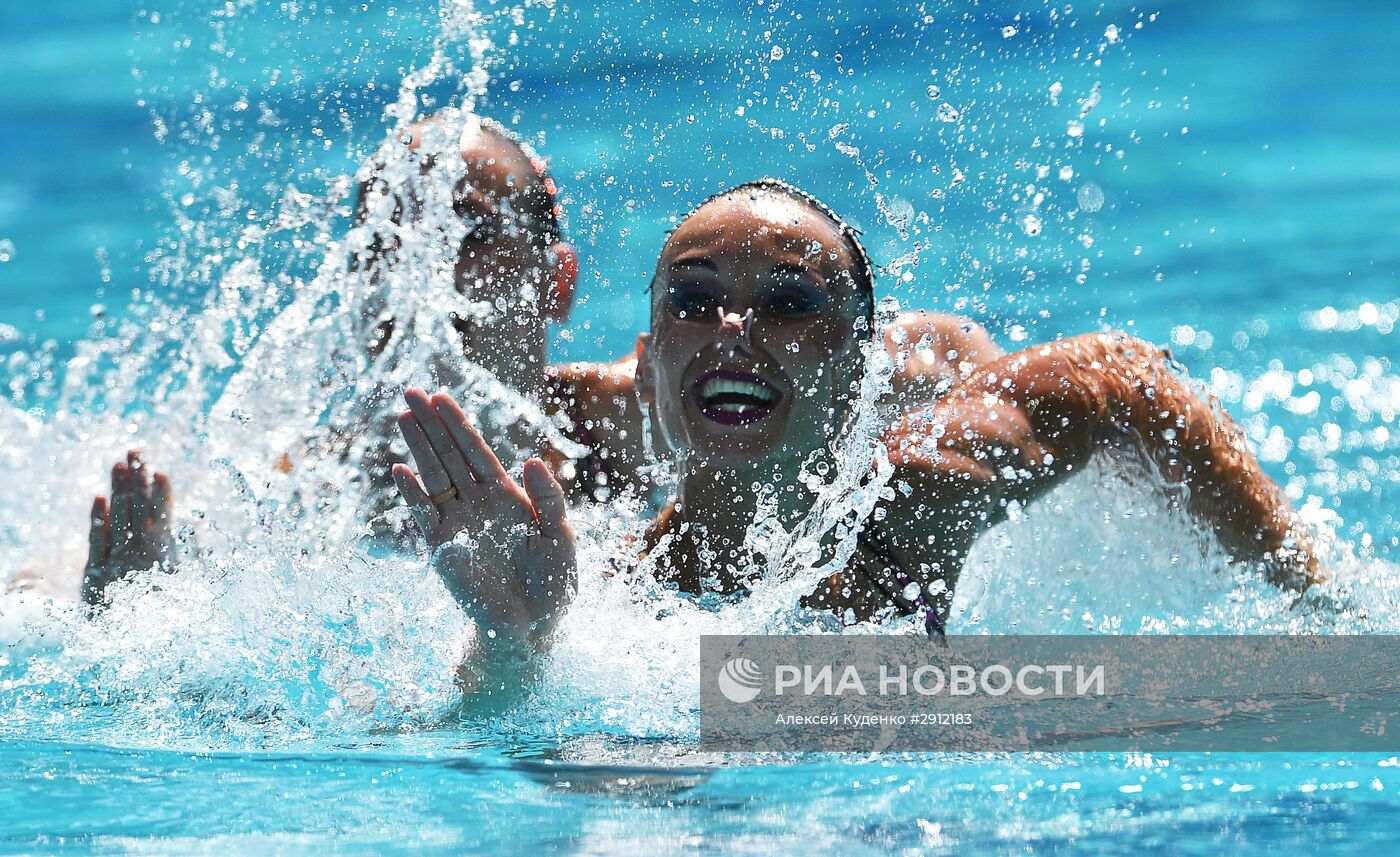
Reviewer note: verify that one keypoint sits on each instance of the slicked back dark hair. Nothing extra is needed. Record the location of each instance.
(541, 197)
(865, 269)
(544, 200)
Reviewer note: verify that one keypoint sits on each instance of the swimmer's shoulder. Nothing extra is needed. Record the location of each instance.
(599, 401)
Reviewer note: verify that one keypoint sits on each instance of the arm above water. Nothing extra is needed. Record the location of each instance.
(504, 551)
(933, 352)
(1020, 425)
(602, 397)
(130, 532)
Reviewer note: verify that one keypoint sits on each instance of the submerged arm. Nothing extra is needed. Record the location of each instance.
(1020, 425)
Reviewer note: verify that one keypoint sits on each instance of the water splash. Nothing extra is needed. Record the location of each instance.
(286, 622)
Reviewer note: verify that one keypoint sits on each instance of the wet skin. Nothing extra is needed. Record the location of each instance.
(760, 294)
(1008, 430)
(500, 197)
(931, 353)
(516, 571)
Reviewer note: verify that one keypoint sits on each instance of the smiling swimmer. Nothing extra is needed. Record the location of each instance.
(736, 288)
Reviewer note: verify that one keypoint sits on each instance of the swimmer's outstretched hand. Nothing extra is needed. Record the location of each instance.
(506, 553)
(132, 533)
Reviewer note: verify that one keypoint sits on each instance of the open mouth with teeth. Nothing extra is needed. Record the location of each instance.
(735, 398)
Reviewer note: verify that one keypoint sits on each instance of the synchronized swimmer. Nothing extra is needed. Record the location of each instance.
(760, 304)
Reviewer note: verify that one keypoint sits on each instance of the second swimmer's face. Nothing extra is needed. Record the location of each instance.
(754, 333)
(505, 260)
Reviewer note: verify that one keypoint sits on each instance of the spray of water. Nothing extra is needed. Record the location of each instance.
(289, 619)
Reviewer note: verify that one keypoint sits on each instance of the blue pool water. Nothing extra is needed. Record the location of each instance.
(1220, 179)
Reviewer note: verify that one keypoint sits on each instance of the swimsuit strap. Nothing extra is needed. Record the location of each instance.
(873, 544)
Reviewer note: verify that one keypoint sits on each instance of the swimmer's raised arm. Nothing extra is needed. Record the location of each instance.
(131, 531)
(932, 352)
(505, 552)
(1022, 424)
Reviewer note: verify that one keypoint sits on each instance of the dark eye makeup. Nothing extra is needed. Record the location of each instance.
(700, 302)
(792, 301)
(693, 300)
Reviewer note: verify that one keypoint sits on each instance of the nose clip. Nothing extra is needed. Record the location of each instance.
(742, 324)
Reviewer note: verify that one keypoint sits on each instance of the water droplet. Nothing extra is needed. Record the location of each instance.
(1066, 173)
(1031, 224)
(1088, 104)
(1008, 32)
(776, 53)
(947, 113)
(934, 92)
(1075, 128)
(1090, 197)
(1111, 32)
(7, 250)
(911, 591)
(899, 213)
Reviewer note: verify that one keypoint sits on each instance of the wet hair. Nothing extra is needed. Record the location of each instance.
(863, 276)
(542, 197)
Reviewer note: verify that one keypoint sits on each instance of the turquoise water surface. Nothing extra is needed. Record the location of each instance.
(1220, 179)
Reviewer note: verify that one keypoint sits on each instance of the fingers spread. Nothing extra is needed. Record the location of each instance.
(435, 476)
(547, 496)
(483, 461)
(99, 541)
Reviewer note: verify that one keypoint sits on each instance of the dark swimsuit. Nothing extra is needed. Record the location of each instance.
(876, 547)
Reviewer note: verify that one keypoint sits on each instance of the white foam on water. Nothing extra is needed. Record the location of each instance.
(286, 622)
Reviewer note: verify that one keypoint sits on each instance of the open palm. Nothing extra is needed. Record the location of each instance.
(129, 534)
(506, 553)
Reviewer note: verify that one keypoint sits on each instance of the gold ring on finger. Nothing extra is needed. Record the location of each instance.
(439, 499)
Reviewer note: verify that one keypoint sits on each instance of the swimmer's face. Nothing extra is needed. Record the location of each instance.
(506, 258)
(772, 380)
